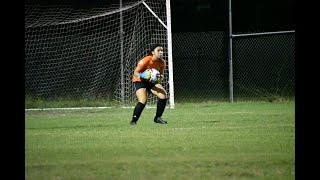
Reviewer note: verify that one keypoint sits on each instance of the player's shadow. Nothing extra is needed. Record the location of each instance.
(209, 121)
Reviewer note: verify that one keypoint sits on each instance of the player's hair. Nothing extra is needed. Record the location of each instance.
(152, 47)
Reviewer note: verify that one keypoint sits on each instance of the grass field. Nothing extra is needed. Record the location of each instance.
(243, 140)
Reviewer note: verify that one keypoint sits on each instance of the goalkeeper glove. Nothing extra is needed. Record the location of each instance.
(145, 75)
(160, 78)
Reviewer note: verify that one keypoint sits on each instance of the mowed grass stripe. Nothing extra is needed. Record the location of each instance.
(202, 141)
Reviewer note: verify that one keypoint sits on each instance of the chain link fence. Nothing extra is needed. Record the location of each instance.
(263, 67)
(200, 66)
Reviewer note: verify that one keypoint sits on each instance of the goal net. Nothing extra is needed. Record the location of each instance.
(75, 51)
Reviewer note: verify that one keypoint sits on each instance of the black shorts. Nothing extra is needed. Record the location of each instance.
(147, 85)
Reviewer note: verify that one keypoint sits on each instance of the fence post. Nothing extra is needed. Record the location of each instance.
(230, 55)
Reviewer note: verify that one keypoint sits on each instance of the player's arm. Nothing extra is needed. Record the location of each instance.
(162, 68)
(162, 72)
(138, 70)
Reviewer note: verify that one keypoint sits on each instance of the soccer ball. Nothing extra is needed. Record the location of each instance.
(155, 75)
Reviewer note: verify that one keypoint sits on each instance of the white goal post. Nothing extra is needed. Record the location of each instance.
(92, 52)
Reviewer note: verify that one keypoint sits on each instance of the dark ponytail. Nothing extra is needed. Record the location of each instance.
(152, 47)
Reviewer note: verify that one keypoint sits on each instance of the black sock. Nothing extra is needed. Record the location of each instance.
(137, 111)
(161, 106)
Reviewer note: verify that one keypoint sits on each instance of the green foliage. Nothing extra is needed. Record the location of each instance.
(243, 140)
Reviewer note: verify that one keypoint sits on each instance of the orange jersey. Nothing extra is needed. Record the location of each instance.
(147, 63)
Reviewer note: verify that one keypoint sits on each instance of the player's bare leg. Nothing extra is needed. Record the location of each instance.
(161, 93)
(142, 96)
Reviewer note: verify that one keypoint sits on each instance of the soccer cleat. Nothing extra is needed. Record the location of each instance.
(160, 120)
(133, 123)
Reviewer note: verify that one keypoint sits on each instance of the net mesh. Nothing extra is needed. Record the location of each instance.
(75, 51)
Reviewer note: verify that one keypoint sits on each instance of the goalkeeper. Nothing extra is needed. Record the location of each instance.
(143, 86)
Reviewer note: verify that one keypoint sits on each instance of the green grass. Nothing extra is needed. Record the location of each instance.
(243, 140)
(67, 102)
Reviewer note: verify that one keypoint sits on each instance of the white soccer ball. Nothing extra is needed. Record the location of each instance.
(155, 75)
